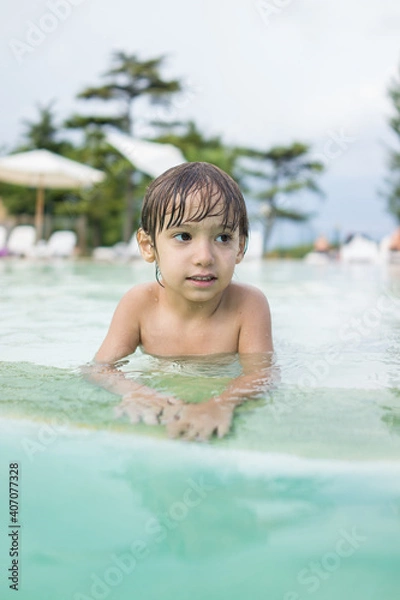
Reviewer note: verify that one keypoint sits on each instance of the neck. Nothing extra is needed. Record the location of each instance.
(189, 309)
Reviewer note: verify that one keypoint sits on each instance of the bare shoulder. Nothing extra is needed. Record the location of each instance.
(248, 297)
(141, 295)
(123, 334)
(255, 319)
(138, 303)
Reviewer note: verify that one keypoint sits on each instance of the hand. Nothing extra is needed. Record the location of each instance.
(199, 421)
(147, 408)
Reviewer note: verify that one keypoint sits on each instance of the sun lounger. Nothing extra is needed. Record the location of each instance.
(3, 238)
(61, 244)
(21, 240)
(118, 252)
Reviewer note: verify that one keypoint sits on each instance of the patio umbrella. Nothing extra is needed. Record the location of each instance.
(42, 169)
(149, 157)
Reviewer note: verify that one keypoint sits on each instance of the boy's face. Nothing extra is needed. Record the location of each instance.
(197, 259)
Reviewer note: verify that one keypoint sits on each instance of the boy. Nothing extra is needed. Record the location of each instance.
(195, 228)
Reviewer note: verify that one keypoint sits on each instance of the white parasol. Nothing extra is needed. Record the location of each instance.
(149, 157)
(42, 169)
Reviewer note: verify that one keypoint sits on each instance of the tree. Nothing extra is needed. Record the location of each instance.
(393, 181)
(128, 80)
(102, 205)
(99, 206)
(195, 146)
(42, 133)
(282, 171)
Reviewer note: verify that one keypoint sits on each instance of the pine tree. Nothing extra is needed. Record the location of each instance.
(392, 192)
(128, 80)
(282, 172)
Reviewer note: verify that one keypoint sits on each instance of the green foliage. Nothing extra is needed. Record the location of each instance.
(82, 122)
(104, 203)
(113, 206)
(18, 199)
(292, 215)
(392, 192)
(294, 252)
(195, 146)
(43, 133)
(281, 172)
(127, 80)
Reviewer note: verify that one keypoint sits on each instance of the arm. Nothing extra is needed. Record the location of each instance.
(123, 335)
(139, 402)
(122, 339)
(255, 352)
(200, 421)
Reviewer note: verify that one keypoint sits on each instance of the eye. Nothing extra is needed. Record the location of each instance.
(224, 238)
(183, 237)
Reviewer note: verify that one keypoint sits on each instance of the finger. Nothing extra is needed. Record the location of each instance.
(223, 428)
(202, 436)
(151, 416)
(133, 414)
(198, 433)
(170, 413)
(176, 428)
(174, 401)
(191, 433)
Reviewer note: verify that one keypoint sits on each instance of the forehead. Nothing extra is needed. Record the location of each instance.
(198, 206)
(197, 203)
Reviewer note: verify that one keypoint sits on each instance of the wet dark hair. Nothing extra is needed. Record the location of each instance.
(164, 205)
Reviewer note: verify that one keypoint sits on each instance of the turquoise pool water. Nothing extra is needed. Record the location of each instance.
(301, 500)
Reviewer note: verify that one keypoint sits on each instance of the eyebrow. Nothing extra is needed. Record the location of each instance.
(195, 225)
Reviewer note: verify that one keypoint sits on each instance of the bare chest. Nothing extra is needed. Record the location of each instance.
(167, 336)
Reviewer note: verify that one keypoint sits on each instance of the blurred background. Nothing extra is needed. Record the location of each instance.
(296, 99)
(299, 100)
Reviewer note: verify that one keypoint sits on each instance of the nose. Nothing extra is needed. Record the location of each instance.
(203, 253)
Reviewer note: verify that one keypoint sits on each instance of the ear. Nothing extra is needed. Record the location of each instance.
(146, 246)
(241, 251)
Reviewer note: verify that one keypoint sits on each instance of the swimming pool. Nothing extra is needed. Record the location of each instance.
(301, 500)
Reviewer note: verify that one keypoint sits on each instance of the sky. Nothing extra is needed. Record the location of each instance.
(256, 72)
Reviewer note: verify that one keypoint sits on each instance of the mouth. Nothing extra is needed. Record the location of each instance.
(202, 280)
